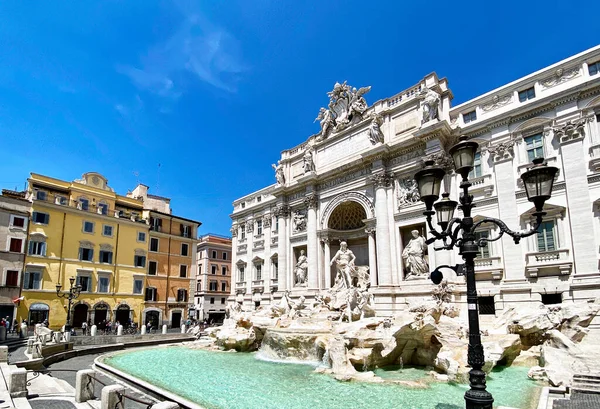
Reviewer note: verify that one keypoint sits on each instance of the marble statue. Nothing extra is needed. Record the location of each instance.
(298, 222)
(414, 256)
(374, 131)
(301, 269)
(308, 164)
(408, 192)
(344, 262)
(325, 119)
(430, 101)
(347, 106)
(279, 176)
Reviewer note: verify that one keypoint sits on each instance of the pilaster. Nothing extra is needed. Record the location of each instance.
(384, 262)
(267, 274)
(311, 240)
(283, 213)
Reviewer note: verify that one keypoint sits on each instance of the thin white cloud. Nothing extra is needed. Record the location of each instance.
(209, 53)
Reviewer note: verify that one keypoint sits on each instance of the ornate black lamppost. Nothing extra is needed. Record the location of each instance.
(538, 181)
(71, 295)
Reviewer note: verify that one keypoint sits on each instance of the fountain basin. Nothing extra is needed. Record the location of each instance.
(218, 380)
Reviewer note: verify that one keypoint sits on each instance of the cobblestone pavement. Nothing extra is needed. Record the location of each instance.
(86, 362)
(51, 404)
(579, 400)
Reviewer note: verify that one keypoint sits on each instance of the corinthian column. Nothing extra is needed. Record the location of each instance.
(326, 266)
(384, 260)
(283, 213)
(266, 222)
(233, 280)
(312, 242)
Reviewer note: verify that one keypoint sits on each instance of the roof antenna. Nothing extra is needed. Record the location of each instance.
(158, 178)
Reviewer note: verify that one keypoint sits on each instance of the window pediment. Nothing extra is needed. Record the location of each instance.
(86, 244)
(550, 209)
(140, 252)
(106, 247)
(37, 236)
(241, 263)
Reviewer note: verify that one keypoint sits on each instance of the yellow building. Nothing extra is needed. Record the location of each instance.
(84, 230)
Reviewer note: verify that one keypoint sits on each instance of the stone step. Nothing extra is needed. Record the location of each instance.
(587, 377)
(46, 385)
(582, 389)
(21, 403)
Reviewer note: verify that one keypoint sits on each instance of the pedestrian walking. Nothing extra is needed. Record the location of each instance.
(84, 327)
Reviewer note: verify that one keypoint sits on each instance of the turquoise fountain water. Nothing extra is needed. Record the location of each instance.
(219, 380)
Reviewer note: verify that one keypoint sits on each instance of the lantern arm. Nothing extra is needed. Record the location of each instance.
(516, 235)
(446, 234)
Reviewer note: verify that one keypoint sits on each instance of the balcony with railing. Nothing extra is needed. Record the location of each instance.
(258, 284)
(491, 265)
(555, 262)
(240, 285)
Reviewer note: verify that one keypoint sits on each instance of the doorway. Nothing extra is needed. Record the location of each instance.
(80, 312)
(100, 313)
(176, 319)
(152, 317)
(122, 315)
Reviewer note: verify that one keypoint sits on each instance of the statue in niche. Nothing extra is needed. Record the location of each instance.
(374, 131)
(408, 192)
(430, 101)
(414, 257)
(344, 262)
(301, 269)
(325, 119)
(299, 222)
(308, 164)
(279, 176)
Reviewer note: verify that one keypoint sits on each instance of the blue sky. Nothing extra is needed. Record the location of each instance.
(213, 91)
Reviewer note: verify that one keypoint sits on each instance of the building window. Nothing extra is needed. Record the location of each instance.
(41, 218)
(469, 117)
(88, 227)
(224, 270)
(546, 237)
(16, 245)
(213, 269)
(276, 224)
(243, 205)
(182, 295)
(258, 272)
(243, 232)
(37, 248)
(139, 261)
(107, 230)
(199, 286)
(33, 280)
(526, 94)
(150, 292)
(594, 68)
(213, 286)
(185, 231)
(214, 254)
(183, 271)
(85, 282)
(534, 145)
(155, 224)
(103, 283)
(152, 267)
(141, 236)
(548, 299)
(40, 195)
(476, 172)
(223, 286)
(153, 244)
(259, 227)
(84, 204)
(106, 256)
(486, 305)
(103, 208)
(12, 278)
(184, 249)
(259, 199)
(241, 274)
(18, 222)
(60, 200)
(276, 272)
(86, 254)
(224, 256)
(484, 252)
(222, 300)
(138, 285)
(212, 300)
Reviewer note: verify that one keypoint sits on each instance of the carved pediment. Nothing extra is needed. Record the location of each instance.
(86, 244)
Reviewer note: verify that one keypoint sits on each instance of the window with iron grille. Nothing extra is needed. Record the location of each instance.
(486, 306)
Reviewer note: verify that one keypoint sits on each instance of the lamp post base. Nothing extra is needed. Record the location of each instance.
(478, 399)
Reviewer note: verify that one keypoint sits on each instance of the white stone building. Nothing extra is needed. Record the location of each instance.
(353, 182)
